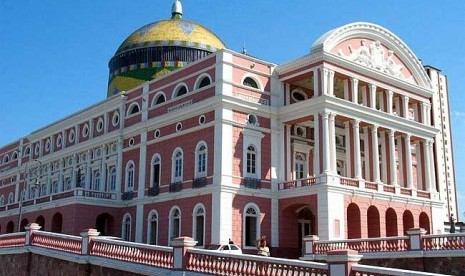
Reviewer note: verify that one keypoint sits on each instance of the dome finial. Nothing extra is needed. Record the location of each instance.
(176, 10)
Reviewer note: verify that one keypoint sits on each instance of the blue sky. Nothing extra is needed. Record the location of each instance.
(54, 54)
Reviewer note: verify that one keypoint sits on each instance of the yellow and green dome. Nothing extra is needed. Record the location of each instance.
(159, 48)
(172, 32)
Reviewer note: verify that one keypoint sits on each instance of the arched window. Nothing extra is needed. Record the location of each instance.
(96, 184)
(251, 225)
(181, 89)
(55, 187)
(152, 232)
(159, 98)
(177, 165)
(300, 166)
(130, 176)
(2, 200)
(201, 160)
(202, 81)
(199, 224)
(126, 228)
(68, 184)
(251, 161)
(156, 171)
(133, 109)
(373, 221)
(248, 81)
(354, 226)
(11, 198)
(43, 190)
(112, 179)
(14, 156)
(6, 159)
(175, 224)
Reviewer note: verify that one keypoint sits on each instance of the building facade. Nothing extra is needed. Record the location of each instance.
(352, 140)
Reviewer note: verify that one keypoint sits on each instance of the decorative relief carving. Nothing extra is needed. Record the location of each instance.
(373, 56)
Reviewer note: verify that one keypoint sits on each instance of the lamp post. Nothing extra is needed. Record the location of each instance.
(32, 186)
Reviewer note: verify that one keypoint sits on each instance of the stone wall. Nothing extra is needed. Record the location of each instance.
(452, 266)
(29, 264)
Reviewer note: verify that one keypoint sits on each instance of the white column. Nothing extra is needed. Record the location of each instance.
(372, 96)
(316, 86)
(316, 146)
(348, 149)
(325, 82)
(384, 178)
(357, 157)
(326, 143)
(392, 151)
(74, 172)
(432, 165)
(288, 153)
(331, 83)
(419, 156)
(103, 169)
(400, 161)
(374, 137)
(389, 101)
(367, 153)
(61, 182)
(354, 83)
(428, 115)
(408, 160)
(427, 170)
(91, 129)
(88, 171)
(332, 142)
(405, 102)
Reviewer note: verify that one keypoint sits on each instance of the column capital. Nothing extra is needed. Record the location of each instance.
(374, 128)
(325, 71)
(332, 115)
(325, 114)
(392, 132)
(405, 97)
(331, 73)
(408, 136)
(372, 87)
(356, 122)
(390, 92)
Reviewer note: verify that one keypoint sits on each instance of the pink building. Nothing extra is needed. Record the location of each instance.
(197, 140)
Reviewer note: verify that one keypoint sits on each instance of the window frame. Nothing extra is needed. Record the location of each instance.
(177, 163)
(130, 176)
(198, 153)
(172, 219)
(150, 230)
(255, 207)
(126, 227)
(195, 214)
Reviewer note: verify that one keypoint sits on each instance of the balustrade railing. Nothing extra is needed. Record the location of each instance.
(57, 241)
(365, 270)
(12, 240)
(443, 242)
(208, 262)
(388, 244)
(298, 183)
(349, 182)
(158, 256)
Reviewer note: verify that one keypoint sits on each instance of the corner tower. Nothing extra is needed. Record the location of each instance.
(159, 48)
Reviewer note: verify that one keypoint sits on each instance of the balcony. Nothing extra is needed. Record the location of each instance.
(199, 182)
(153, 191)
(175, 187)
(252, 183)
(127, 195)
(355, 184)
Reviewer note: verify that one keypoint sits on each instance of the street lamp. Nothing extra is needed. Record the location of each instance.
(32, 186)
